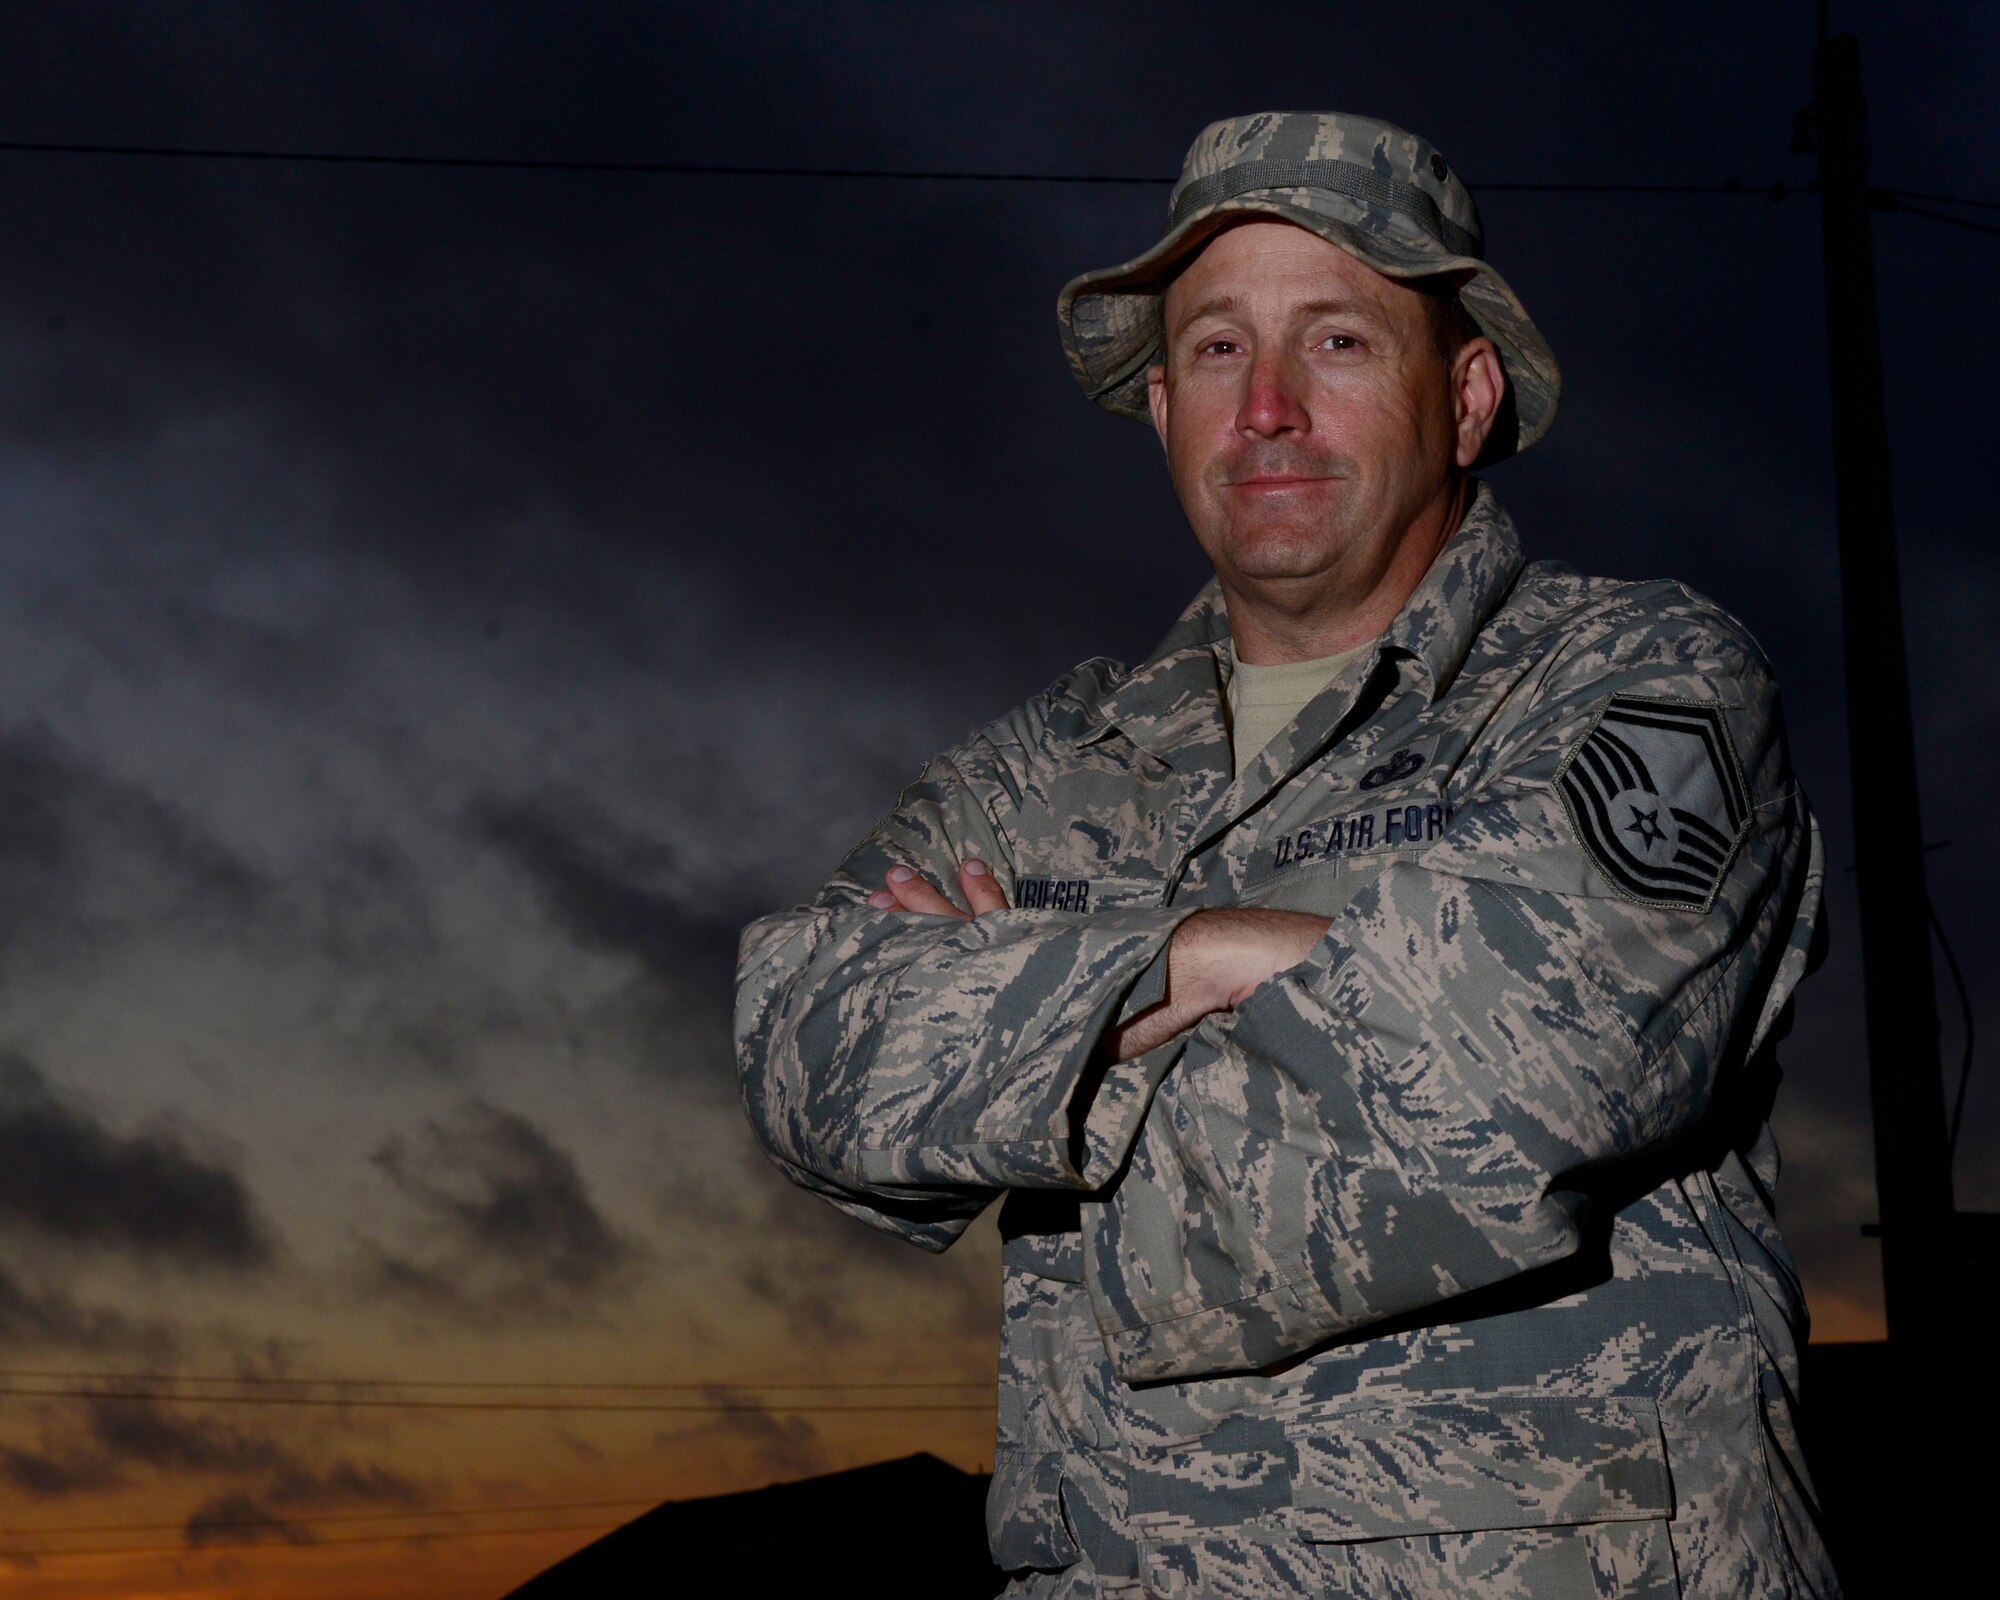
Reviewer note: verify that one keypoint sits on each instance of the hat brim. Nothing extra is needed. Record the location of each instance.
(1110, 319)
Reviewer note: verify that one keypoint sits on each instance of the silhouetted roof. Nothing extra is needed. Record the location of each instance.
(912, 1527)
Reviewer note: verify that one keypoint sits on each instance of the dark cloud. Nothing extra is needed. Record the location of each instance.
(111, 1441)
(257, 1516)
(368, 909)
(43, 1315)
(816, 1272)
(92, 1443)
(175, 1441)
(345, 1483)
(49, 1474)
(610, 891)
(508, 1230)
(779, 1445)
(66, 1177)
(135, 1430)
(236, 1518)
(86, 855)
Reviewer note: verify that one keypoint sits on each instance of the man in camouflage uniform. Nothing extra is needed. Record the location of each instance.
(1380, 1106)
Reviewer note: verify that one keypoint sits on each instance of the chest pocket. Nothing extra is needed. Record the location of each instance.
(1318, 866)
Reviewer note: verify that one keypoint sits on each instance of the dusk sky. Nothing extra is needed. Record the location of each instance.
(439, 607)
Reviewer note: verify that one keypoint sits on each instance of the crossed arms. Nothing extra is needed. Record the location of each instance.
(1288, 1127)
(1215, 959)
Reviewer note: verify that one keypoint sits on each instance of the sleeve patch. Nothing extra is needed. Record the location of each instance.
(1656, 796)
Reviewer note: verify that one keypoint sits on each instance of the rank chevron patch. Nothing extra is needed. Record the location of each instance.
(1656, 796)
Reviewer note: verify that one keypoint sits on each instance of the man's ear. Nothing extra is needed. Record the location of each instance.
(1156, 399)
(1478, 384)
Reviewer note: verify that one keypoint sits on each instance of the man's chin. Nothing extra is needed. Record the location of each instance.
(1274, 554)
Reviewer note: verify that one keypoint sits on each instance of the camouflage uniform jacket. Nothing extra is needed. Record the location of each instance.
(1445, 1263)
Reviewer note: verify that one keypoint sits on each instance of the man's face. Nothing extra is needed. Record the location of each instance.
(1309, 421)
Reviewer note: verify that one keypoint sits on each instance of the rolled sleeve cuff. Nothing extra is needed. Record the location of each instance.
(1050, 1110)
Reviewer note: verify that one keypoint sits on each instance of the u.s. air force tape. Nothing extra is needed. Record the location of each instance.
(1656, 795)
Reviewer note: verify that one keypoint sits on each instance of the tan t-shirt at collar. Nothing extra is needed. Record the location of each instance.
(1262, 700)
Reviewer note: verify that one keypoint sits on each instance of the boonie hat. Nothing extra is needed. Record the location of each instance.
(1384, 196)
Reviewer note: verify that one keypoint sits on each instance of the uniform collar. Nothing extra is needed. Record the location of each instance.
(1464, 587)
(1171, 706)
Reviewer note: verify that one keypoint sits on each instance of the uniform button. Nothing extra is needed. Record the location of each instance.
(1438, 169)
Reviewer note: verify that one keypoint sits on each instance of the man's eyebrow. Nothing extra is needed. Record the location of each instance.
(1225, 305)
(1216, 305)
(1342, 308)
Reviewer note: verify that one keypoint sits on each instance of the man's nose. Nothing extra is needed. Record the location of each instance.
(1274, 398)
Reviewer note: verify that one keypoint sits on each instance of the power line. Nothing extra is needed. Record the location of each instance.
(1905, 209)
(696, 1385)
(377, 1403)
(691, 169)
(292, 1548)
(1887, 199)
(686, 169)
(1890, 199)
(1774, 191)
(327, 1518)
(1947, 199)
(1966, 1020)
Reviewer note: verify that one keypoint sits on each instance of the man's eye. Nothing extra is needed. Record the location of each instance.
(1220, 347)
(1340, 341)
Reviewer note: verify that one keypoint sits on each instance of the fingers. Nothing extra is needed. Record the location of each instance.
(905, 889)
(981, 889)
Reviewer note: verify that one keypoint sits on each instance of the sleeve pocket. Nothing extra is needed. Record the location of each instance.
(1396, 1471)
(1025, 1524)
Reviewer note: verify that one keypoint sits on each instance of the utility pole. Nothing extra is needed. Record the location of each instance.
(1920, 1256)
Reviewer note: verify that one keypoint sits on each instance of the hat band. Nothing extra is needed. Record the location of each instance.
(1345, 178)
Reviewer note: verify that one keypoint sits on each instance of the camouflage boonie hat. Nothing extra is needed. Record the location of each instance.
(1382, 195)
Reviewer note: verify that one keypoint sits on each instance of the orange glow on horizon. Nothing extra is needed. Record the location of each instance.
(455, 1553)
(481, 1567)
(1841, 1319)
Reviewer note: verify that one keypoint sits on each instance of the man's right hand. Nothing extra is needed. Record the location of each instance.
(1216, 959)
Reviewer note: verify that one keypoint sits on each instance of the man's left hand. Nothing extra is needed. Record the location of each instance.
(1217, 957)
(906, 889)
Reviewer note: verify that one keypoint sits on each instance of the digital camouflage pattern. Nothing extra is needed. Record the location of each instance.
(1445, 1264)
(1385, 196)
